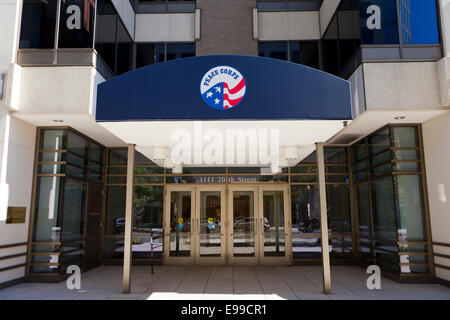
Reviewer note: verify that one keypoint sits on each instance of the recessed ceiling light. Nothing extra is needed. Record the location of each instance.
(400, 118)
(57, 120)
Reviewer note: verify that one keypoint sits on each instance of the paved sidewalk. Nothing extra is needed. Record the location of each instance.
(233, 283)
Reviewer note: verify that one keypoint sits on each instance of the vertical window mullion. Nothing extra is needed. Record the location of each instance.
(56, 40)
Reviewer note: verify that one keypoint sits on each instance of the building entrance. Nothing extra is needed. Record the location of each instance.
(238, 225)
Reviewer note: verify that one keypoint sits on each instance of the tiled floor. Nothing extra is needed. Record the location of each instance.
(233, 283)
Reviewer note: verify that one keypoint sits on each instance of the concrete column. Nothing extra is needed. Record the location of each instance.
(128, 221)
(326, 270)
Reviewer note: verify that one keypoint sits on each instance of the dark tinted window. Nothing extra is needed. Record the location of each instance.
(302, 52)
(76, 28)
(379, 22)
(38, 24)
(105, 37)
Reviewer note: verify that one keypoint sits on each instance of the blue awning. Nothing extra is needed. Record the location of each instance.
(274, 90)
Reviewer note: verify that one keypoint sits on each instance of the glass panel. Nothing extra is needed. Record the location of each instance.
(384, 208)
(410, 205)
(145, 55)
(38, 24)
(379, 23)
(148, 170)
(180, 223)
(210, 224)
(304, 179)
(51, 156)
(47, 195)
(78, 145)
(273, 224)
(114, 248)
(304, 169)
(97, 153)
(275, 50)
(338, 207)
(419, 22)
(124, 49)
(148, 212)
(405, 137)
(117, 180)
(305, 53)
(305, 209)
(335, 155)
(180, 50)
(140, 159)
(51, 168)
(243, 224)
(364, 209)
(148, 180)
(349, 30)
(330, 47)
(115, 210)
(360, 151)
(118, 157)
(105, 32)
(406, 154)
(379, 142)
(143, 248)
(76, 29)
(306, 248)
(407, 166)
(53, 140)
(73, 209)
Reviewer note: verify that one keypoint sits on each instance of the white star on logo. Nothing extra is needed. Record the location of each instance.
(217, 101)
(218, 89)
(209, 94)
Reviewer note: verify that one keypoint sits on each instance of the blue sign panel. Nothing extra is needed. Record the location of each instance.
(251, 88)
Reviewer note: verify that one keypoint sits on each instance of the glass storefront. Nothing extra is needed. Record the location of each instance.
(390, 200)
(384, 173)
(68, 165)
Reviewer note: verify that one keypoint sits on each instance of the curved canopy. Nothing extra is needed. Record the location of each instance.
(275, 90)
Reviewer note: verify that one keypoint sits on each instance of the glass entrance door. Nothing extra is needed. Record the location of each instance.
(211, 225)
(275, 226)
(194, 228)
(250, 226)
(243, 244)
(259, 220)
(179, 229)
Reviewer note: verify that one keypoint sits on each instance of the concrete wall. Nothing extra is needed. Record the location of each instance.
(445, 24)
(357, 91)
(436, 135)
(60, 90)
(402, 86)
(294, 25)
(15, 189)
(226, 27)
(165, 27)
(16, 148)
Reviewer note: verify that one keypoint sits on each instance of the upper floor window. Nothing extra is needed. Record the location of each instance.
(148, 6)
(283, 5)
(112, 40)
(75, 25)
(407, 22)
(150, 53)
(38, 24)
(302, 52)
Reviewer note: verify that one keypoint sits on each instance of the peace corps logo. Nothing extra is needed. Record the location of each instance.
(223, 88)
